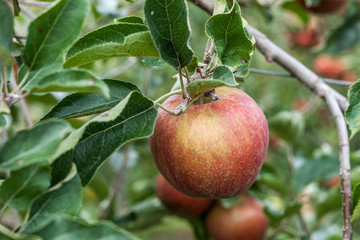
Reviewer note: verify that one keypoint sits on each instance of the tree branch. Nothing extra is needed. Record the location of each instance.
(336, 102)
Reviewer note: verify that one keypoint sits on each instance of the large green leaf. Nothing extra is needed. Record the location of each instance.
(6, 29)
(90, 145)
(34, 145)
(7, 234)
(352, 114)
(71, 229)
(116, 40)
(346, 35)
(64, 200)
(80, 104)
(24, 185)
(232, 42)
(71, 80)
(53, 31)
(170, 29)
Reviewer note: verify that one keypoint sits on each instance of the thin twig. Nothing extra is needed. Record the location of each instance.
(336, 102)
(279, 74)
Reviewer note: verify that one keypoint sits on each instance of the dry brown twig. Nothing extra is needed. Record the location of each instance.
(336, 102)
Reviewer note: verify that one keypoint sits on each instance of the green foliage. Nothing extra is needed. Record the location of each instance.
(7, 31)
(200, 86)
(52, 32)
(169, 27)
(356, 204)
(231, 40)
(80, 104)
(2, 121)
(66, 199)
(346, 35)
(68, 228)
(287, 125)
(35, 145)
(132, 118)
(117, 40)
(314, 170)
(224, 73)
(24, 185)
(352, 114)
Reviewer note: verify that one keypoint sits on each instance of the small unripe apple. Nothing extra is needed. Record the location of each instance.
(179, 203)
(244, 220)
(306, 38)
(214, 150)
(328, 66)
(324, 6)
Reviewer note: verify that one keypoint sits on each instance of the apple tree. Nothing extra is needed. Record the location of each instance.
(248, 108)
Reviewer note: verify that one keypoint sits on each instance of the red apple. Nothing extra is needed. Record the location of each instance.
(179, 203)
(214, 150)
(245, 220)
(325, 6)
(328, 66)
(349, 75)
(305, 38)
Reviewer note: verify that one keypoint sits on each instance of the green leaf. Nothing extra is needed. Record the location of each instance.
(193, 65)
(7, 30)
(64, 200)
(315, 170)
(24, 185)
(170, 29)
(345, 36)
(224, 73)
(2, 120)
(34, 77)
(356, 195)
(71, 80)
(34, 145)
(288, 125)
(297, 10)
(130, 19)
(231, 40)
(116, 40)
(200, 86)
(132, 118)
(66, 228)
(242, 71)
(81, 104)
(352, 114)
(356, 204)
(153, 62)
(53, 31)
(143, 214)
(6, 234)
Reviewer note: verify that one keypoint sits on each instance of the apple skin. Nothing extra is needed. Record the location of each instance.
(214, 150)
(328, 66)
(244, 220)
(179, 203)
(325, 6)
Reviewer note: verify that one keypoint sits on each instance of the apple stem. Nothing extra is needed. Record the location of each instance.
(182, 84)
(165, 96)
(166, 109)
